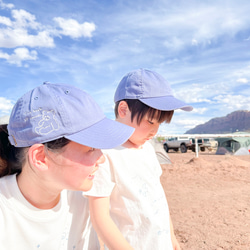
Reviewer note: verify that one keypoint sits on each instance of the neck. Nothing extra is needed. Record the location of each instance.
(129, 144)
(35, 189)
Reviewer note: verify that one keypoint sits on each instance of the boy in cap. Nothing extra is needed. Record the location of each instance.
(128, 207)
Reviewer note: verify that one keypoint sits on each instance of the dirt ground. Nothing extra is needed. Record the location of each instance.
(209, 200)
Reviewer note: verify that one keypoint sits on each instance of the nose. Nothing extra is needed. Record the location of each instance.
(101, 159)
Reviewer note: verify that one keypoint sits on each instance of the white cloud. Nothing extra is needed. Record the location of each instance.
(22, 30)
(234, 102)
(188, 122)
(19, 55)
(5, 20)
(11, 38)
(179, 126)
(174, 43)
(185, 24)
(5, 105)
(73, 29)
(24, 19)
(242, 80)
(4, 119)
(6, 6)
(194, 42)
(199, 110)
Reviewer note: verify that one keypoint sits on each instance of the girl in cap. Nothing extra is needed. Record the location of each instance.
(50, 152)
(135, 212)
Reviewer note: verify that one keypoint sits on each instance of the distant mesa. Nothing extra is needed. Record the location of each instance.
(238, 121)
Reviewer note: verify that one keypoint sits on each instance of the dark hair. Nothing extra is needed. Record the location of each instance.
(138, 110)
(12, 158)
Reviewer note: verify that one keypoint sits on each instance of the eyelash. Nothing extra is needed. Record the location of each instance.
(150, 122)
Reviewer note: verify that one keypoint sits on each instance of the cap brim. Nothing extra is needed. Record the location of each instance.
(104, 134)
(166, 103)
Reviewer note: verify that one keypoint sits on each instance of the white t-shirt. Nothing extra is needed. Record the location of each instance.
(138, 206)
(25, 227)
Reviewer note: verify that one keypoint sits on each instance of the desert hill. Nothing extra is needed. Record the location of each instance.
(235, 121)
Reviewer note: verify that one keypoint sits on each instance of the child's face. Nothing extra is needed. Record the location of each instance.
(143, 132)
(75, 167)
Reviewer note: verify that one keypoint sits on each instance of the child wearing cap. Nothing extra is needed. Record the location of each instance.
(128, 207)
(49, 153)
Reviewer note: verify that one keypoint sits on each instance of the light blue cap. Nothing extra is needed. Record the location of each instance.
(150, 88)
(51, 111)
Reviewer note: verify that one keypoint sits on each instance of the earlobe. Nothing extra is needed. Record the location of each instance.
(122, 109)
(37, 157)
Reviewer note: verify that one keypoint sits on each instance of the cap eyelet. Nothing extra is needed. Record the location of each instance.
(36, 98)
(66, 92)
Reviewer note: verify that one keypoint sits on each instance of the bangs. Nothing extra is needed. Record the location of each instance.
(159, 115)
(139, 110)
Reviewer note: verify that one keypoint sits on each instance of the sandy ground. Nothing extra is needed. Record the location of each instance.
(209, 200)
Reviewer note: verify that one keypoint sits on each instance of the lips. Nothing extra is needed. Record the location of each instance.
(92, 175)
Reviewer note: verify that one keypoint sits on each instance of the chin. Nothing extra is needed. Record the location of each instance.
(86, 186)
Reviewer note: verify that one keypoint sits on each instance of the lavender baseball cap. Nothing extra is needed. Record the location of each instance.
(150, 88)
(51, 111)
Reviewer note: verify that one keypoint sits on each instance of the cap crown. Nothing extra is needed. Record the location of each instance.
(142, 83)
(49, 112)
(150, 88)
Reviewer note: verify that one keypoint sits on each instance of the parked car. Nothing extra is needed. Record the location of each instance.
(183, 143)
(200, 142)
(210, 143)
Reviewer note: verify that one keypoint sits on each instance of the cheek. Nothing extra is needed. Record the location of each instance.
(75, 170)
(83, 171)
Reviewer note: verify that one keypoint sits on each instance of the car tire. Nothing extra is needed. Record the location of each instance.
(183, 148)
(166, 147)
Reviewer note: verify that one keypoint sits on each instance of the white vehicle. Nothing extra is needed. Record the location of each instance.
(183, 143)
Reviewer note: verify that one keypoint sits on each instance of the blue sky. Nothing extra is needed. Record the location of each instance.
(201, 47)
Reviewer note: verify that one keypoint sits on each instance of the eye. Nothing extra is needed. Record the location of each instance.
(150, 122)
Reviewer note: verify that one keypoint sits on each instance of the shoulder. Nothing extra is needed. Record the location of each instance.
(148, 146)
(115, 152)
(7, 182)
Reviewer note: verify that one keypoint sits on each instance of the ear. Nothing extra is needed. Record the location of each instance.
(37, 157)
(123, 109)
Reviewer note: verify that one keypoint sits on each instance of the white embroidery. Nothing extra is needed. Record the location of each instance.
(47, 122)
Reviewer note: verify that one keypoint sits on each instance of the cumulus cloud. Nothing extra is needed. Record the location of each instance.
(5, 21)
(19, 55)
(194, 42)
(11, 38)
(23, 30)
(179, 125)
(24, 19)
(242, 80)
(5, 105)
(4, 119)
(73, 29)
(234, 102)
(6, 6)
(199, 110)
